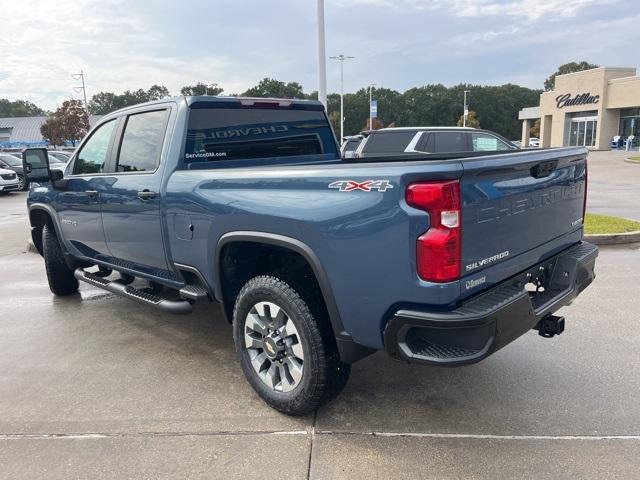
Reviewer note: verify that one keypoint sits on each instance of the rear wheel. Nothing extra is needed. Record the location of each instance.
(287, 353)
(59, 275)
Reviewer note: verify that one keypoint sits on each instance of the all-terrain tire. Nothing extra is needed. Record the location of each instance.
(59, 275)
(323, 374)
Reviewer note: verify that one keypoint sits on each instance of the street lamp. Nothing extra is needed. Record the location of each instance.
(371, 85)
(466, 109)
(342, 58)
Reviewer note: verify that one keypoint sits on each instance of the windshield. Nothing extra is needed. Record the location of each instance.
(11, 160)
(63, 157)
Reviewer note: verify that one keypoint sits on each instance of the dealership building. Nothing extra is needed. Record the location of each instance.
(587, 108)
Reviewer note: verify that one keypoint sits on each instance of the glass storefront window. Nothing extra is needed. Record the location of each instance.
(582, 132)
(589, 133)
(573, 134)
(630, 124)
(630, 112)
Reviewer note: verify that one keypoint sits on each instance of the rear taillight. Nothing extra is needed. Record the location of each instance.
(439, 249)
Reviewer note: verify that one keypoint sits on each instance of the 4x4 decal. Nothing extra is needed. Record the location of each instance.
(366, 186)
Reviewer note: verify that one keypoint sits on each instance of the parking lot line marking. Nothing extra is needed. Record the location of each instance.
(481, 436)
(312, 432)
(93, 435)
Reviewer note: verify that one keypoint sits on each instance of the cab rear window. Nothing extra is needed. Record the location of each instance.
(246, 133)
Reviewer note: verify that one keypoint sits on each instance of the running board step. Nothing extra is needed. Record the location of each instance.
(193, 292)
(180, 307)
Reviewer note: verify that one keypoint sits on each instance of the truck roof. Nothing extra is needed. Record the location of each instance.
(257, 101)
(420, 129)
(202, 101)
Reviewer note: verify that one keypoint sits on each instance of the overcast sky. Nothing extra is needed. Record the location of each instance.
(397, 43)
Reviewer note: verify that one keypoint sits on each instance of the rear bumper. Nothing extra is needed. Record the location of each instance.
(492, 319)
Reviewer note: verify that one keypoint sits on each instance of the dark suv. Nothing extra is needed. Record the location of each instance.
(393, 141)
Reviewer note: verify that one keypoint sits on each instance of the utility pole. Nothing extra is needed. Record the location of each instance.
(78, 89)
(370, 99)
(466, 109)
(342, 58)
(322, 59)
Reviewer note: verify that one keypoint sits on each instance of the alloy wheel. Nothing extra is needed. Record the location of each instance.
(274, 347)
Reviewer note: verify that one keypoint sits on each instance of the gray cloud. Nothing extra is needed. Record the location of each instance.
(397, 43)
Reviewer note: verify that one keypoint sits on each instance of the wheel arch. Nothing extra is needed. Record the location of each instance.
(41, 214)
(349, 351)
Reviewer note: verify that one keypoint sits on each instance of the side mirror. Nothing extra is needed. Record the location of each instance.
(35, 162)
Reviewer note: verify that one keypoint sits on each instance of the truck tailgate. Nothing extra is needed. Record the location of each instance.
(514, 203)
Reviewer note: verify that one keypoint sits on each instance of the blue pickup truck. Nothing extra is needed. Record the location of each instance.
(317, 260)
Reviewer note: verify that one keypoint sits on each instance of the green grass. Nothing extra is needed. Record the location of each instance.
(635, 159)
(606, 224)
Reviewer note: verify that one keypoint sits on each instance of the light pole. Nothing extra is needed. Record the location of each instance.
(342, 58)
(466, 110)
(78, 89)
(322, 62)
(371, 85)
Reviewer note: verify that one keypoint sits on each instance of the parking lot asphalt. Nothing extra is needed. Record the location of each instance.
(95, 386)
(614, 185)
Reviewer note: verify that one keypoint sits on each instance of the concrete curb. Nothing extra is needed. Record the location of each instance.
(628, 160)
(614, 238)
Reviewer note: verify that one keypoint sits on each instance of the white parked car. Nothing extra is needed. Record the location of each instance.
(534, 142)
(8, 180)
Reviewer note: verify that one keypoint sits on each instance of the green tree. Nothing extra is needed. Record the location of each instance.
(201, 89)
(19, 108)
(271, 88)
(105, 102)
(356, 108)
(334, 119)
(472, 120)
(156, 92)
(70, 122)
(571, 67)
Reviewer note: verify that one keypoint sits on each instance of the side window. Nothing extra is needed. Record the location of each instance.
(427, 143)
(93, 155)
(389, 142)
(352, 144)
(142, 142)
(483, 142)
(449, 142)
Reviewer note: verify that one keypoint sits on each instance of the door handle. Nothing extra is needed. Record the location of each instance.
(91, 193)
(146, 194)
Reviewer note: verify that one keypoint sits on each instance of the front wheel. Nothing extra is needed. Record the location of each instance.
(22, 183)
(60, 276)
(286, 352)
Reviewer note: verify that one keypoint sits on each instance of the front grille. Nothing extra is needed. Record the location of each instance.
(8, 176)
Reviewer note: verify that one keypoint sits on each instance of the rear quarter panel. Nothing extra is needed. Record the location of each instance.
(365, 240)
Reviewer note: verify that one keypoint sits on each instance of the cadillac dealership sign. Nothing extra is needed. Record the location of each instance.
(565, 100)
